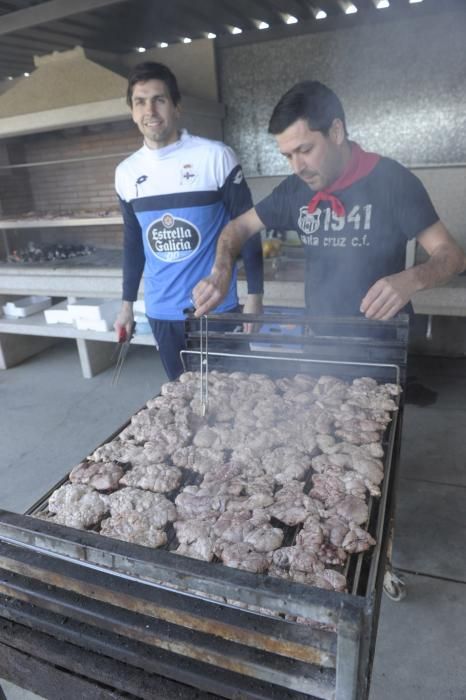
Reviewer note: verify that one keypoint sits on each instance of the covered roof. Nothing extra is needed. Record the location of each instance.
(31, 28)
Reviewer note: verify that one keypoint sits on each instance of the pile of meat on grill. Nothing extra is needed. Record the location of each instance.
(299, 455)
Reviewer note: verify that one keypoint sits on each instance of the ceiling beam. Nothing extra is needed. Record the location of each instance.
(47, 12)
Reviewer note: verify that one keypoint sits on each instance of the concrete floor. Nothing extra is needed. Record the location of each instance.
(50, 418)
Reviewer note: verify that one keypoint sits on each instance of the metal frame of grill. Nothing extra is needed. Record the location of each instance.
(123, 618)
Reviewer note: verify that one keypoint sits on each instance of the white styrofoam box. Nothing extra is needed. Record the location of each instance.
(26, 306)
(58, 313)
(95, 309)
(93, 324)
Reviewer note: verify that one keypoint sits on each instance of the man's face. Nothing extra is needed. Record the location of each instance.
(154, 113)
(316, 158)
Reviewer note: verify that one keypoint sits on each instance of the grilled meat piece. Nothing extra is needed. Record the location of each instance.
(199, 459)
(286, 463)
(357, 540)
(154, 505)
(134, 527)
(78, 505)
(243, 556)
(102, 476)
(159, 478)
(192, 502)
(351, 509)
(202, 548)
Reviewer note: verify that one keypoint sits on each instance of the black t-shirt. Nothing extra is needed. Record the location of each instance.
(346, 255)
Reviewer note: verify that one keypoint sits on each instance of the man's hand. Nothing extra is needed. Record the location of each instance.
(209, 292)
(124, 320)
(388, 295)
(252, 305)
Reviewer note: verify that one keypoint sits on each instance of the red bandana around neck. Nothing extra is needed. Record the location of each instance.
(360, 164)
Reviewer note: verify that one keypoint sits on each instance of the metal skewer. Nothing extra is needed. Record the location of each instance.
(204, 368)
(122, 351)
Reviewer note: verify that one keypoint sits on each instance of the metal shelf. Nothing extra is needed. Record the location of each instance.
(6, 224)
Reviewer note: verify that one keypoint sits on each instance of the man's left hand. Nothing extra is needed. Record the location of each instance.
(387, 296)
(252, 305)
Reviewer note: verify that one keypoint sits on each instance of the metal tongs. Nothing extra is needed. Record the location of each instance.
(122, 350)
(204, 366)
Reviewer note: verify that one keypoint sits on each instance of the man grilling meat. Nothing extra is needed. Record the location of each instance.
(354, 212)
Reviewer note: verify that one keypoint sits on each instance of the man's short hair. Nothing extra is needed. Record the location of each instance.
(308, 100)
(150, 70)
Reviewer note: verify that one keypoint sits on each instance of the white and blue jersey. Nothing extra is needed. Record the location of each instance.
(175, 201)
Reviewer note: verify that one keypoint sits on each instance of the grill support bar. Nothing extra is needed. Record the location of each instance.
(78, 592)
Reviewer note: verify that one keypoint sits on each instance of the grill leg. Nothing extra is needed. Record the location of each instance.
(394, 585)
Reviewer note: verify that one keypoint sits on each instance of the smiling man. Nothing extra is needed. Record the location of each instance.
(354, 212)
(176, 194)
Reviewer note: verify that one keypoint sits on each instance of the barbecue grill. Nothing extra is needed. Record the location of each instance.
(111, 618)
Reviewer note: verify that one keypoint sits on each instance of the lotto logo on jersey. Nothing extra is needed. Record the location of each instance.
(172, 239)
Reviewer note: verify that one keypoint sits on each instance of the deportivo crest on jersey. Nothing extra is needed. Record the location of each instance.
(309, 223)
(188, 175)
(172, 239)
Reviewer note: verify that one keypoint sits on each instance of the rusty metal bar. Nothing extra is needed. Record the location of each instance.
(299, 642)
(82, 672)
(348, 654)
(387, 485)
(130, 561)
(207, 648)
(27, 620)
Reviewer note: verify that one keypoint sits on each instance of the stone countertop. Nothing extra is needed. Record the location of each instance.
(448, 300)
(285, 276)
(100, 275)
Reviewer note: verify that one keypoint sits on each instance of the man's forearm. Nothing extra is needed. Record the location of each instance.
(229, 245)
(209, 292)
(441, 266)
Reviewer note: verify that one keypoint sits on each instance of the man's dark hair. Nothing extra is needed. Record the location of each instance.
(150, 70)
(308, 100)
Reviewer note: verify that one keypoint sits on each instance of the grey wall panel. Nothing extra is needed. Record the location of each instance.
(402, 83)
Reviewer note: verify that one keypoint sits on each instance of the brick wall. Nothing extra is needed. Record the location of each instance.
(15, 186)
(79, 187)
(81, 184)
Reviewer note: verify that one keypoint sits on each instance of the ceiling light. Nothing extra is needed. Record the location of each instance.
(350, 9)
(186, 40)
(141, 49)
(290, 19)
(10, 77)
(413, 1)
(236, 30)
(320, 14)
(382, 4)
(263, 25)
(211, 35)
(163, 45)
(26, 75)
